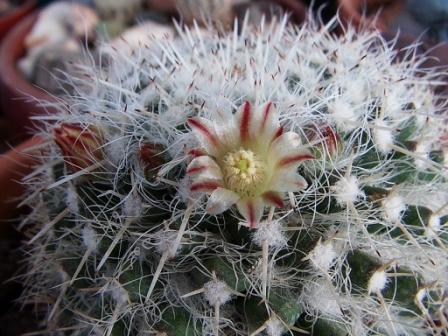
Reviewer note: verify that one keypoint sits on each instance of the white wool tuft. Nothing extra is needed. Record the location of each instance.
(165, 242)
(382, 136)
(356, 90)
(89, 238)
(116, 150)
(217, 292)
(272, 233)
(323, 255)
(393, 206)
(393, 101)
(71, 199)
(347, 190)
(274, 327)
(321, 296)
(120, 295)
(421, 294)
(433, 226)
(422, 149)
(343, 115)
(377, 282)
(133, 206)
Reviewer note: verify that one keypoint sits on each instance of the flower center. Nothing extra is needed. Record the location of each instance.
(244, 172)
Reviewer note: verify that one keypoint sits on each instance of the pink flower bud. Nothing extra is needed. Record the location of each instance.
(330, 141)
(80, 146)
(151, 158)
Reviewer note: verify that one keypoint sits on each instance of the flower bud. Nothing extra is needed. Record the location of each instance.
(80, 145)
(330, 142)
(151, 158)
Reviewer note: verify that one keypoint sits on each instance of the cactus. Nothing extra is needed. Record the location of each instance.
(268, 181)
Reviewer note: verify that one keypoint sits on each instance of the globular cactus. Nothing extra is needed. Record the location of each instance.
(272, 180)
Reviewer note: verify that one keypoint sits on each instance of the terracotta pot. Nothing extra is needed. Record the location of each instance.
(14, 164)
(297, 9)
(361, 13)
(14, 15)
(19, 98)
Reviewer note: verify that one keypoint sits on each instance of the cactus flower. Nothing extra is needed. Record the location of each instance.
(80, 146)
(249, 162)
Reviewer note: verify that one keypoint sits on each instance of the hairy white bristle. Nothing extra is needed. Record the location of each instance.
(274, 327)
(393, 206)
(71, 199)
(116, 150)
(323, 255)
(433, 227)
(133, 206)
(377, 281)
(422, 150)
(119, 294)
(347, 190)
(165, 242)
(272, 233)
(383, 136)
(90, 238)
(217, 292)
(421, 295)
(356, 90)
(343, 115)
(321, 297)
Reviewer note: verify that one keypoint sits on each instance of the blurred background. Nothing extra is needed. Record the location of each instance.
(41, 40)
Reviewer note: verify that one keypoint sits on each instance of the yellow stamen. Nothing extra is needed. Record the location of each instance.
(244, 172)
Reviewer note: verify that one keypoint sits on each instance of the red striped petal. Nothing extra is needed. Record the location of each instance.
(251, 210)
(293, 159)
(278, 133)
(246, 117)
(266, 113)
(274, 199)
(251, 215)
(203, 129)
(206, 169)
(287, 181)
(195, 152)
(197, 169)
(205, 186)
(220, 200)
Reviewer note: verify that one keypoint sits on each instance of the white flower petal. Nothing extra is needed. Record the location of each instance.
(289, 181)
(220, 200)
(257, 124)
(204, 167)
(267, 126)
(206, 134)
(273, 198)
(244, 118)
(287, 152)
(293, 160)
(286, 144)
(205, 185)
(251, 209)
